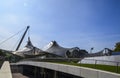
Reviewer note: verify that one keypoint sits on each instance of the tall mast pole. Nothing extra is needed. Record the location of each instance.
(22, 37)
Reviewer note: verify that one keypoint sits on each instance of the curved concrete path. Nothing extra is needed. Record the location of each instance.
(74, 70)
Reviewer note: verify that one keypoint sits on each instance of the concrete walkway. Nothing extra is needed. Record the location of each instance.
(74, 70)
(5, 71)
(19, 75)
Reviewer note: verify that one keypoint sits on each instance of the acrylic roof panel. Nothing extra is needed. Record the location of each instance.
(56, 49)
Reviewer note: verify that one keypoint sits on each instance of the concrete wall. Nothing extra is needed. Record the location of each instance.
(107, 60)
(5, 71)
(74, 70)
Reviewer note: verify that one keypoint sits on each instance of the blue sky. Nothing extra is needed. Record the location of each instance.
(82, 23)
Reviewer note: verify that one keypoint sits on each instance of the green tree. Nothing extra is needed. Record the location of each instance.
(117, 47)
(2, 53)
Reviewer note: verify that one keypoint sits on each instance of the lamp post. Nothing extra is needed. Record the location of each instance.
(91, 49)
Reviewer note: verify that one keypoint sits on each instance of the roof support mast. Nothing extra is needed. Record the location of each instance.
(22, 37)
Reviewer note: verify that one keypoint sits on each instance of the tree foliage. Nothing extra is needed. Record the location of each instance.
(117, 47)
(5, 55)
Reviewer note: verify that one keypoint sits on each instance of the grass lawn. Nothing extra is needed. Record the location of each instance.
(101, 67)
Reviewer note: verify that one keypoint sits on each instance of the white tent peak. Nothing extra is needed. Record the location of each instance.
(29, 43)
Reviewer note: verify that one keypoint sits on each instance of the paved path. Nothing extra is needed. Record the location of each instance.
(18, 75)
(5, 71)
